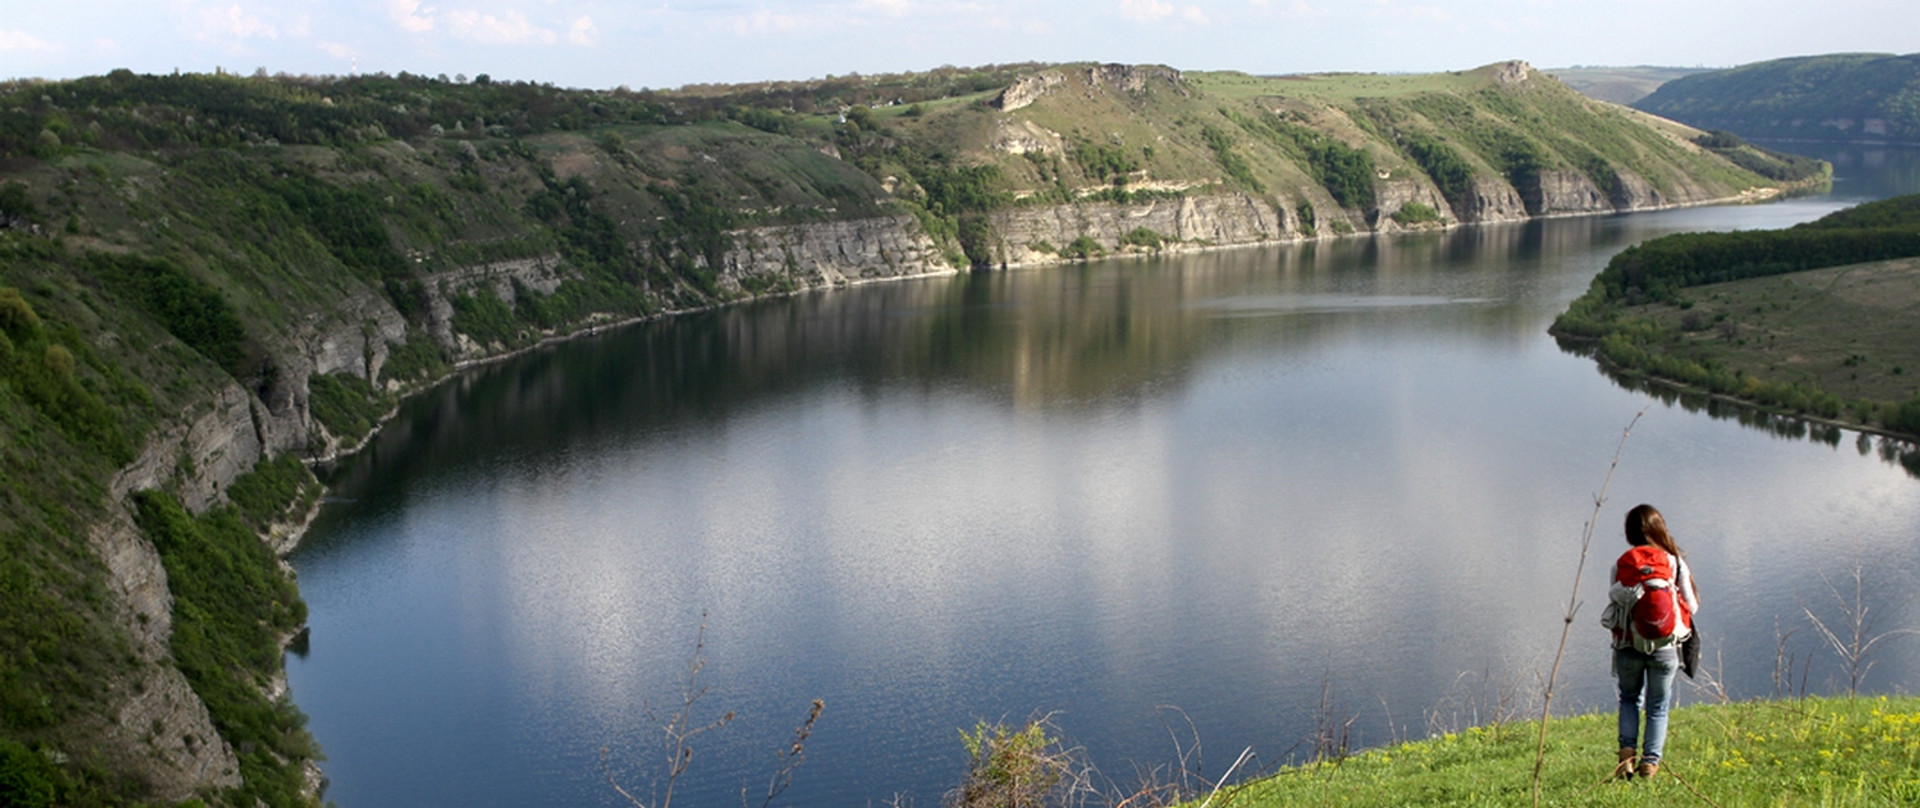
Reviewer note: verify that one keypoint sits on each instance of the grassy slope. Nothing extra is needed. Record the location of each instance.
(1801, 97)
(1853, 331)
(1163, 137)
(1816, 751)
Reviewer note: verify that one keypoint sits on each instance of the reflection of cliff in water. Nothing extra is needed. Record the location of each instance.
(1103, 334)
(1893, 450)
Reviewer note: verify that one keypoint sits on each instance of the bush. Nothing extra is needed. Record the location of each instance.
(26, 779)
(1083, 248)
(1449, 171)
(1230, 161)
(1413, 213)
(190, 309)
(271, 489)
(1014, 768)
(1143, 237)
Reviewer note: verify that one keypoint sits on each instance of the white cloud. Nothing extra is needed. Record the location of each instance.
(409, 15)
(763, 21)
(1194, 15)
(1144, 10)
(1413, 12)
(583, 33)
(891, 8)
(22, 42)
(233, 22)
(513, 29)
(335, 50)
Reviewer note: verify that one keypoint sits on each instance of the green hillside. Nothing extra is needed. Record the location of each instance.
(1815, 320)
(207, 280)
(1847, 96)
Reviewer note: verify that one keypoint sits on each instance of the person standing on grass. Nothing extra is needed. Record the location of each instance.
(1645, 659)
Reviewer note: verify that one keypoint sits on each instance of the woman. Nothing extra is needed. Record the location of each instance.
(1646, 667)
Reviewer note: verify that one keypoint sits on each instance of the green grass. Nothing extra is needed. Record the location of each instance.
(1334, 86)
(1843, 330)
(1815, 751)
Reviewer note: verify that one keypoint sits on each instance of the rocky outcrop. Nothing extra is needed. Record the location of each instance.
(811, 256)
(1399, 190)
(1125, 78)
(1027, 90)
(1035, 235)
(219, 442)
(539, 273)
(1019, 136)
(1134, 78)
(160, 728)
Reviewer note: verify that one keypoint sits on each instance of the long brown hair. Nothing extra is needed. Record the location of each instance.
(1645, 525)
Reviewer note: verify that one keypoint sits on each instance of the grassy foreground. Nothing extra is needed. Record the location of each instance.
(1813, 751)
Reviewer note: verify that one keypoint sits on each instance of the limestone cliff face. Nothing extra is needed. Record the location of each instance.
(812, 256)
(1398, 191)
(540, 273)
(186, 754)
(1023, 236)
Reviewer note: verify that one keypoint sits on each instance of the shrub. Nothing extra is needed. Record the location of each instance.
(26, 779)
(1449, 171)
(1143, 237)
(1413, 213)
(1014, 768)
(1083, 248)
(190, 309)
(17, 318)
(271, 489)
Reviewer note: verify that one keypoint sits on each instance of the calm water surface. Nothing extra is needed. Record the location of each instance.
(1128, 494)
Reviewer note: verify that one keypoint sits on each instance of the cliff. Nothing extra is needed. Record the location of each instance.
(206, 280)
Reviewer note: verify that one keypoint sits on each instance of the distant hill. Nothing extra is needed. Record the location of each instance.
(1619, 85)
(1845, 96)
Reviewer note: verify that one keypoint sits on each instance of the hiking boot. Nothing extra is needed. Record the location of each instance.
(1646, 769)
(1624, 769)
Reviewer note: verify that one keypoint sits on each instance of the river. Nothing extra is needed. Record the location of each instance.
(1228, 497)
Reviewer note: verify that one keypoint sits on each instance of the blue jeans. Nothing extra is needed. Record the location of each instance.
(1645, 679)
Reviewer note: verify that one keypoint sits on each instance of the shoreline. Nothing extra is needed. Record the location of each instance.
(285, 544)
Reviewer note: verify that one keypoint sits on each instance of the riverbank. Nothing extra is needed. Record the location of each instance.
(1837, 751)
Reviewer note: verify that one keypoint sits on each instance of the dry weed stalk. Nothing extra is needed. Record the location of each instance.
(681, 728)
(1856, 638)
(1573, 603)
(1783, 685)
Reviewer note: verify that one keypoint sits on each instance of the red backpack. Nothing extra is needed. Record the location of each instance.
(1660, 612)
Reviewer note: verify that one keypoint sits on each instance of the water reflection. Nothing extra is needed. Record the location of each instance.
(1896, 451)
(1214, 482)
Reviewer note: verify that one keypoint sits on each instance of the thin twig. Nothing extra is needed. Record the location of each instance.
(1696, 792)
(1228, 776)
(1573, 602)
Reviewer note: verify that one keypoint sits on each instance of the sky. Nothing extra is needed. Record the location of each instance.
(603, 44)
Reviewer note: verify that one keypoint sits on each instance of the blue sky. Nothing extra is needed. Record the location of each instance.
(608, 43)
